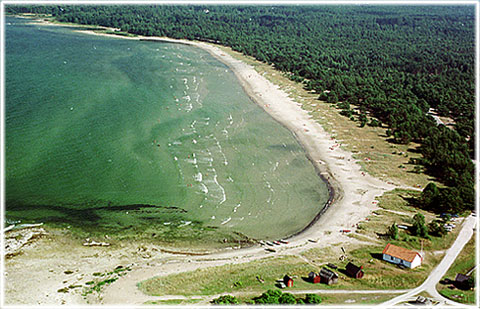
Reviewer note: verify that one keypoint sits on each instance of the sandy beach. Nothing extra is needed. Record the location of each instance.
(353, 200)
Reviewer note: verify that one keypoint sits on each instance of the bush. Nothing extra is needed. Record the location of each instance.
(419, 228)
(225, 300)
(374, 123)
(392, 231)
(436, 229)
(269, 297)
(287, 298)
(312, 299)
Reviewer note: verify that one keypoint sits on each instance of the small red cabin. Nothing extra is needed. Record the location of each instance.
(288, 281)
(314, 278)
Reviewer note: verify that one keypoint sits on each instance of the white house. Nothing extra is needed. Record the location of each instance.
(402, 256)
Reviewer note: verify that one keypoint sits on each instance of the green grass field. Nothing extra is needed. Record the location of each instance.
(229, 278)
(464, 262)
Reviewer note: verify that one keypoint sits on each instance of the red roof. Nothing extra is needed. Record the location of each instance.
(401, 253)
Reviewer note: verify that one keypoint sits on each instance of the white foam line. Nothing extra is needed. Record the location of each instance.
(225, 162)
(224, 196)
(185, 223)
(226, 221)
(224, 131)
(204, 188)
(198, 177)
(269, 186)
(236, 207)
(276, 166)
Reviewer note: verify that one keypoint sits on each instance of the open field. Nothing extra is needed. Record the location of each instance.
(229, 278)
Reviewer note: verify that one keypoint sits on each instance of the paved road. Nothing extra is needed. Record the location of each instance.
(438, 272)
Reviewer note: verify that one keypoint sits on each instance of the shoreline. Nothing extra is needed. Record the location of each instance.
(348, 185)
(352, 196)
(241, 70)
(307, 132)
(243, 73)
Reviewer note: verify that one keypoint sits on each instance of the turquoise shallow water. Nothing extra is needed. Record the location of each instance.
(112, 133)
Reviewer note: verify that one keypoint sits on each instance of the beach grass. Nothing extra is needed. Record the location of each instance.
(465, 261)
(228, 278)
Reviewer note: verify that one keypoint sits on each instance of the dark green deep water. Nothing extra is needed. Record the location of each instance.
(114, 134)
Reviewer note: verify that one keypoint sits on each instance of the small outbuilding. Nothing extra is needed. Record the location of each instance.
(354, 271)
(327, 276)
(288, 281)
(401, 256)
(461, 281)
(313, 277)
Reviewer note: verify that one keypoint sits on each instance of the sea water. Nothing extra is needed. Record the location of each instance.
(115, 133)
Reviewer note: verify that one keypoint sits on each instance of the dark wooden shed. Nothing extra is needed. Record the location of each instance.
(313, 277)
(461, 281)
(354, 271)
(327, 276)
(288, 281)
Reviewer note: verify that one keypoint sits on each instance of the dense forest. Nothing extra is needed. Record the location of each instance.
(394, 62)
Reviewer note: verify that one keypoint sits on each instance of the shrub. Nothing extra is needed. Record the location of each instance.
(392, 231)
(225, 300)
(287, 298)
(312, 299)
(419, 228)
(436, 229)
(269, 297)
